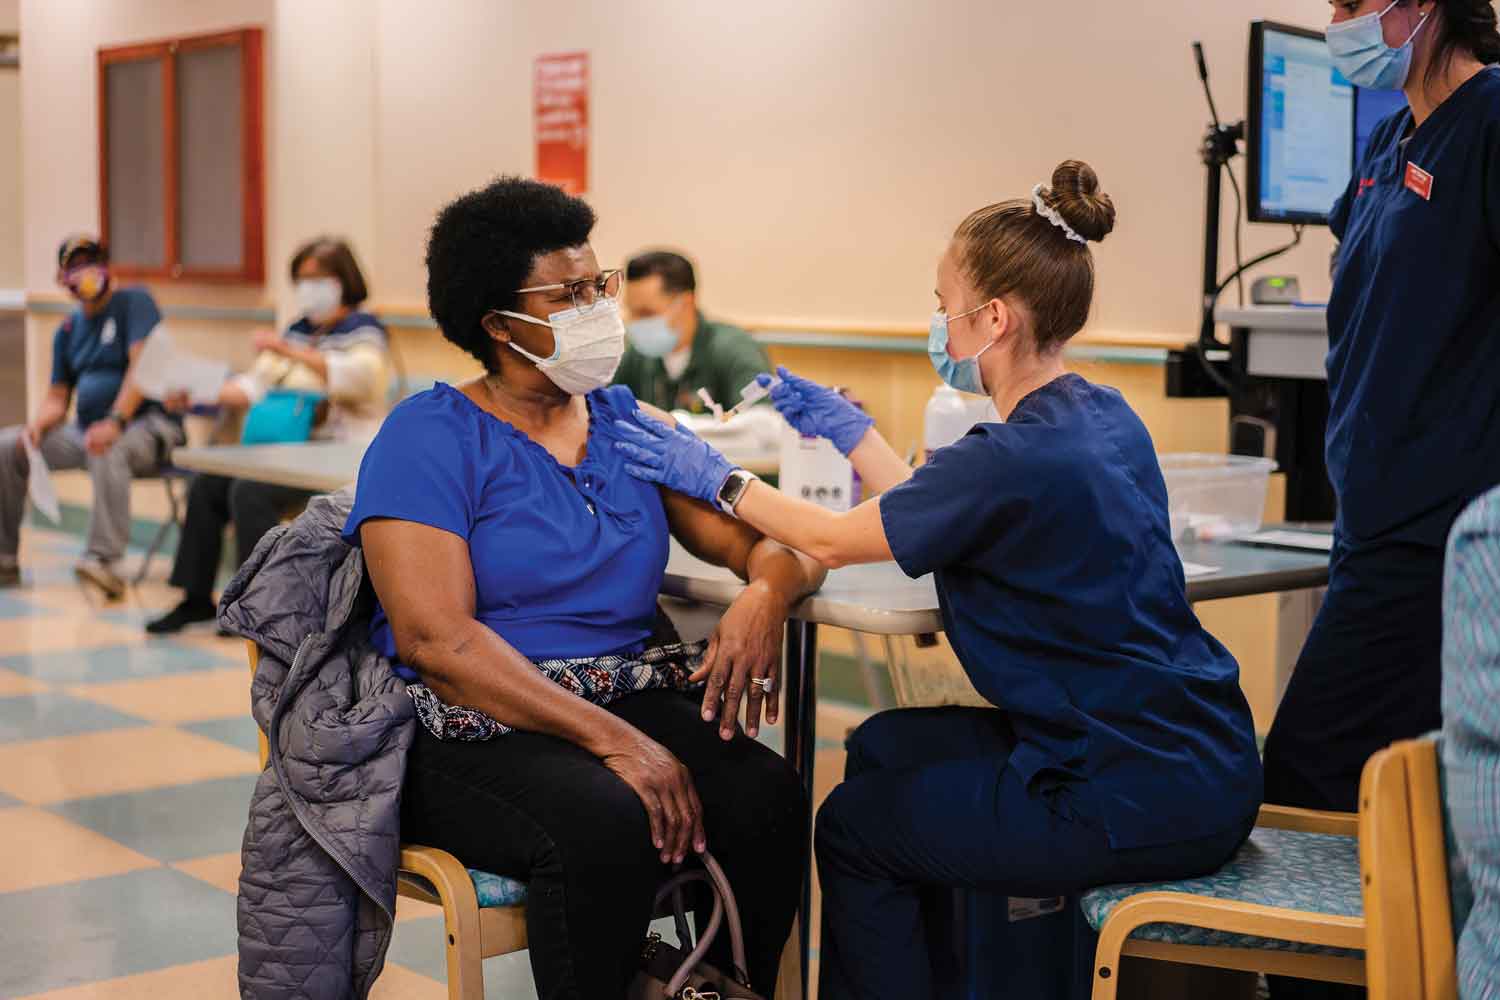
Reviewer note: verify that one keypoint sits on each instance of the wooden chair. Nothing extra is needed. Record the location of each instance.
(484, 915)
(1287, 904)
(1405, 860)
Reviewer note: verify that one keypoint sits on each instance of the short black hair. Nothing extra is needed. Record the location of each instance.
(675, 270)
(484, 244)
(338, 260)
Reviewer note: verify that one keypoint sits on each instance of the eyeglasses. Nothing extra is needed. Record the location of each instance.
(585, 293)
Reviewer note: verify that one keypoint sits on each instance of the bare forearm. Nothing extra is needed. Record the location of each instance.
(52, 412)
(783, 572)
(877, 463)
(826, 536)
(474, 667)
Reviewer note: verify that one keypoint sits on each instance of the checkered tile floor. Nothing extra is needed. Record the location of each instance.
(126, 765)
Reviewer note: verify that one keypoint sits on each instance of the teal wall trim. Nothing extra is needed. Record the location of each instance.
(196, 314)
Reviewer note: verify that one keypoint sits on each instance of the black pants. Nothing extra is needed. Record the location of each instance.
(1370, 674)
(214, 501)
(547, 812)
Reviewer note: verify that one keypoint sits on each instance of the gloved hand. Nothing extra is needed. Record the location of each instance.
(818, 410)
(673, 457)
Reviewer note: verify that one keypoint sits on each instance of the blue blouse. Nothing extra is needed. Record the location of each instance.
(1065, 601)
(567, 561)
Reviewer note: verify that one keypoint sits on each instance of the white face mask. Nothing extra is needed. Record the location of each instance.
(587, 346)
(318, 298)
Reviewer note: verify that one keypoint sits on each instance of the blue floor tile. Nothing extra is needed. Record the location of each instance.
(418, 945)
(115, 663)
(87, 931)
(176, 823)
(240, 732)
(17, 606)
(42, 716)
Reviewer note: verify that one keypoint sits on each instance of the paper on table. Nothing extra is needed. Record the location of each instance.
(1191, 570)
(163, 369)
(39, 485)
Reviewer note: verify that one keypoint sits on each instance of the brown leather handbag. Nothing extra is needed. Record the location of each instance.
(667, 973)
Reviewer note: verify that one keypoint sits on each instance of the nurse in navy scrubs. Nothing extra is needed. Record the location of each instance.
(1414, 387)
(1121, 748)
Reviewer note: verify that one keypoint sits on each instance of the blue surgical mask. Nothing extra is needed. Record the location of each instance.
(652, 336)
(963, 375)
(1360, 53)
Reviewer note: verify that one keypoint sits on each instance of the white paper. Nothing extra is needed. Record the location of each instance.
(1314, 540)
(163, 369)
(1192, 570)
(39, 485)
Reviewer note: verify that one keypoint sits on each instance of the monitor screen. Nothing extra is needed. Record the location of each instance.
(1371, 107)
(1298, 133)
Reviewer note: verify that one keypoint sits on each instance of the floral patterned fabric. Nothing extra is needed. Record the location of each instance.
(599, 679)
(1301, 871)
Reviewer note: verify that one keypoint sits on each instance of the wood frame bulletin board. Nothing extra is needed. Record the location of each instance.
(167, 53)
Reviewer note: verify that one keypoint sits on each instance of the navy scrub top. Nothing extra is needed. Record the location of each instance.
(1065, 601)
(1414, 324)
(567, 561)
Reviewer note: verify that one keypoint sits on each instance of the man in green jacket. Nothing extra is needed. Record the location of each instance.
(673, 349)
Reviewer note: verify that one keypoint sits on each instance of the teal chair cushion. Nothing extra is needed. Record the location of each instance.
(1300, 871)
(497, 890)
(1471, 738)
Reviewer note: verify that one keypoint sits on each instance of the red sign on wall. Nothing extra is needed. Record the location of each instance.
(561, 88)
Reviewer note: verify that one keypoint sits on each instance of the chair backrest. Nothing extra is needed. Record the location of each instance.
(1403, 852)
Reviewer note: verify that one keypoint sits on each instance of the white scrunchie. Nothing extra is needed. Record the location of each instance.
(1052, 215)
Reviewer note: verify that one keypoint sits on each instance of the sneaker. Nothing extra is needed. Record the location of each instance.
(189, 612)
(10, 573)
(102, 575)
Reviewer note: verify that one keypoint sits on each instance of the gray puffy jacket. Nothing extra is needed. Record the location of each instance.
(318, 887)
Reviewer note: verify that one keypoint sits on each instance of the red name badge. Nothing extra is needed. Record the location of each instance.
(1419, 182)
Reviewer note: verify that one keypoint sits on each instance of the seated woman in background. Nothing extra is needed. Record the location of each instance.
(517, 567)
(333, 349)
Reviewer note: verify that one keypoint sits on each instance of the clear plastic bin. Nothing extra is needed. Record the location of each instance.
(1215, 498)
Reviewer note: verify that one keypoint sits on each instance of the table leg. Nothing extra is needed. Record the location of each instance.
(800, 682)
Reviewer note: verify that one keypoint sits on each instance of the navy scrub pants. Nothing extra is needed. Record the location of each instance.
(1370, 674)
(928, 805)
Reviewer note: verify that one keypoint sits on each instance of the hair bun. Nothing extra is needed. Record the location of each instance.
(1076, 196)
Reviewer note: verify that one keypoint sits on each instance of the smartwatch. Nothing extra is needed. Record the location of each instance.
(733, 489)
(121, 421)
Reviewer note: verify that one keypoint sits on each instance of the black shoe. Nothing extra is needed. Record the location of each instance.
(189, 612)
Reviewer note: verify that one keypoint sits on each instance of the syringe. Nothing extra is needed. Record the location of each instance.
(752, 394)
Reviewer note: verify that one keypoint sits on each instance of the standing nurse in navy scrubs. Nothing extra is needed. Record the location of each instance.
(1414, 387)
(1121, 748)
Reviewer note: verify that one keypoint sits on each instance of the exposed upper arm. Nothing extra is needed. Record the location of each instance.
(707, 533)
(424, 580)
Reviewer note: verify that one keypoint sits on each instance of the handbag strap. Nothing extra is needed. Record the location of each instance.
(724, 907)
(690, 962)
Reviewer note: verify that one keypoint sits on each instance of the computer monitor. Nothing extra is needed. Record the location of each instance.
(1371, 107)
(1299, 127)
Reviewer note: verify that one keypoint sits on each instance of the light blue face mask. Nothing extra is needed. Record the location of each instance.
(1360, 53)
(652, 336)
(962, 375)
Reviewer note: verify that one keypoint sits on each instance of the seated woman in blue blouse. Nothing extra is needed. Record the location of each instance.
(517, 567)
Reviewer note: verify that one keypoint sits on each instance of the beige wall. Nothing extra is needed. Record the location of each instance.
(11, 277)
(814, 156)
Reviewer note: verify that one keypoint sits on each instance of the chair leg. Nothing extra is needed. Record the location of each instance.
(1107, 960)
(174, 520)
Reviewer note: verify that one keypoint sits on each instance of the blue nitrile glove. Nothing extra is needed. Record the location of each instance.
(674, 457)
(818, 411)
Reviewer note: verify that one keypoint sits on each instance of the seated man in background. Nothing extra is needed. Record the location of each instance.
(118, 433)
(673, 349)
